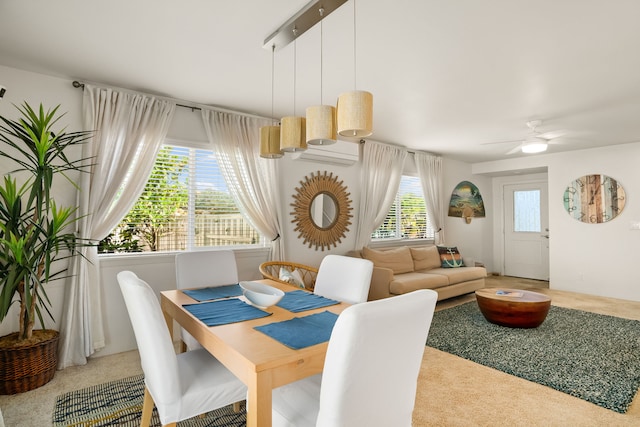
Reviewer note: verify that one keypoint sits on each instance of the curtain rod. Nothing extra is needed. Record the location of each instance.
(410, 151)
(80, 85)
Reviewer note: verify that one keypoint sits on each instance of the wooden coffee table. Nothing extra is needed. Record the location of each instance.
(514, 308)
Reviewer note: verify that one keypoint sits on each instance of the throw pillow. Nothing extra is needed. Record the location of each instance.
(450, 257)
(292, 277)
(399, 260)
(426, 258)
(297, 276)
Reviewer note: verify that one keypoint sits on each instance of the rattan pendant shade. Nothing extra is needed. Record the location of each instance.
(292, 134)
(321, 125)
(270, 135)
(270, 142)
(355, 114)
(321, 119)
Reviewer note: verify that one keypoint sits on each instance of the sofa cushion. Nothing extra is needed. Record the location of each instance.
(354, 254)
(425, 258)
(450, 257)
(398, 259)
(410, 282)
(459, 275)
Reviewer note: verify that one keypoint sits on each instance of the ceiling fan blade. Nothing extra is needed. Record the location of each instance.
(567, 141)
(515, 149)
(502, 142)
(553, 134)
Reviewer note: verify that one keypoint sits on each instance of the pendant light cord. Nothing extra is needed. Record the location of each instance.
(273, 50)
(321, 55)
(295, 49)
(354, 45)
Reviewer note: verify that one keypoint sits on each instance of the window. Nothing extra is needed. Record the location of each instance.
(407, 218)
(526, 211)
(185, 204)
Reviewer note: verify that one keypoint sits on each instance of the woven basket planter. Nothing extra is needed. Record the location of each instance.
(29, 367)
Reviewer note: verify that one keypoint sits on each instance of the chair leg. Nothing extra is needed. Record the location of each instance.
(183, 347)
(147, 409)
(236, 407)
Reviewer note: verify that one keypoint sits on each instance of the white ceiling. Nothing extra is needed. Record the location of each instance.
(447, 76)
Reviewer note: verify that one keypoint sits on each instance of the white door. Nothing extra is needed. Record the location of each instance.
(526, 231)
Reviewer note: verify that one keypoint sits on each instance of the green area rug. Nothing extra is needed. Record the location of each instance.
(119, 403)
(586, 355)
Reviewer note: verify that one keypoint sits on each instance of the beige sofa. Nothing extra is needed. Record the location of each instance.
(405, 269)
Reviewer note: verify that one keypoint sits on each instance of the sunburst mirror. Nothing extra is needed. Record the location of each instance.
(321, 210)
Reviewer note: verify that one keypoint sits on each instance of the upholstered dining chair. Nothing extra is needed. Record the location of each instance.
(344, 278)
(181, 386)
(371, 369)
(201, 269)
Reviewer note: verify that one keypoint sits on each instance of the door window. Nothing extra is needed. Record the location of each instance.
(526, 211)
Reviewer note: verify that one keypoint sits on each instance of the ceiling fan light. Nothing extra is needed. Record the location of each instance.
(536, 145)
(270, 142)
(292, 134)
(321, 125)
(355, 114)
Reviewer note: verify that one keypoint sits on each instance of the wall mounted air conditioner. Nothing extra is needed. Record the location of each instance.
(342, 153)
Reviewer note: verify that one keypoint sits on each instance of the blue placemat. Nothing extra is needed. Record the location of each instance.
(297, 301)
(216, 313)
(301, 332)
(214, 292)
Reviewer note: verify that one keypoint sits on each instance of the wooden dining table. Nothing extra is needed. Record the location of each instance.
(259, 361)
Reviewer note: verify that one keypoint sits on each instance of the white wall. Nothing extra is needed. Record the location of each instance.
(474, 240)
(596, 259)
(292, 173)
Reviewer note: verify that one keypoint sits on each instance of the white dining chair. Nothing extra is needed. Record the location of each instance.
(371, 369)
(344, 278)
(201, 269)
(181, 386)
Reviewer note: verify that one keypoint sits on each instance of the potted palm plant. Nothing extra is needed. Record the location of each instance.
(35, 235)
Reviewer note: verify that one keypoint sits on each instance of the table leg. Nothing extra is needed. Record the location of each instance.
(169, 320)
(259, 400)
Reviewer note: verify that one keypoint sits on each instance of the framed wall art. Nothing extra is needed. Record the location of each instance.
(466, 202)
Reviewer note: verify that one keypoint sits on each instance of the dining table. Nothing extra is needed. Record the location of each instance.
(258, 360)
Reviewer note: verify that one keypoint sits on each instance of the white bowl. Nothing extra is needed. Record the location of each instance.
(261, 295)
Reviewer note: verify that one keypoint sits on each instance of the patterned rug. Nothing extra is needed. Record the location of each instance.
(119, 403)
(590, 356)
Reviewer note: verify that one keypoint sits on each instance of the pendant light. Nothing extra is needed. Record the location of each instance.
(355, 108)
(293, 131)
(270, 135)
(321, 119)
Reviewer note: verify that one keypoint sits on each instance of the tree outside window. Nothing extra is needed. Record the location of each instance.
(407, 217)
(185, 204)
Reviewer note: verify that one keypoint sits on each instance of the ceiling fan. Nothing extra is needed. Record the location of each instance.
(534, 142)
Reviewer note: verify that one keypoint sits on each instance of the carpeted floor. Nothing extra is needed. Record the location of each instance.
(119, 403)
(586, 355)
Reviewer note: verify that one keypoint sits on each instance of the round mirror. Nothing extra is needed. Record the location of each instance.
(321, 210)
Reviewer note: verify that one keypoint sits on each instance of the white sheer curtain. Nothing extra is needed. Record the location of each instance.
(379, 181)
(430, 172)
(129, 129)
(252, 180)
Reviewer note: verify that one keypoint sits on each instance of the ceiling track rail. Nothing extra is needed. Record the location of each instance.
(302, 21)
